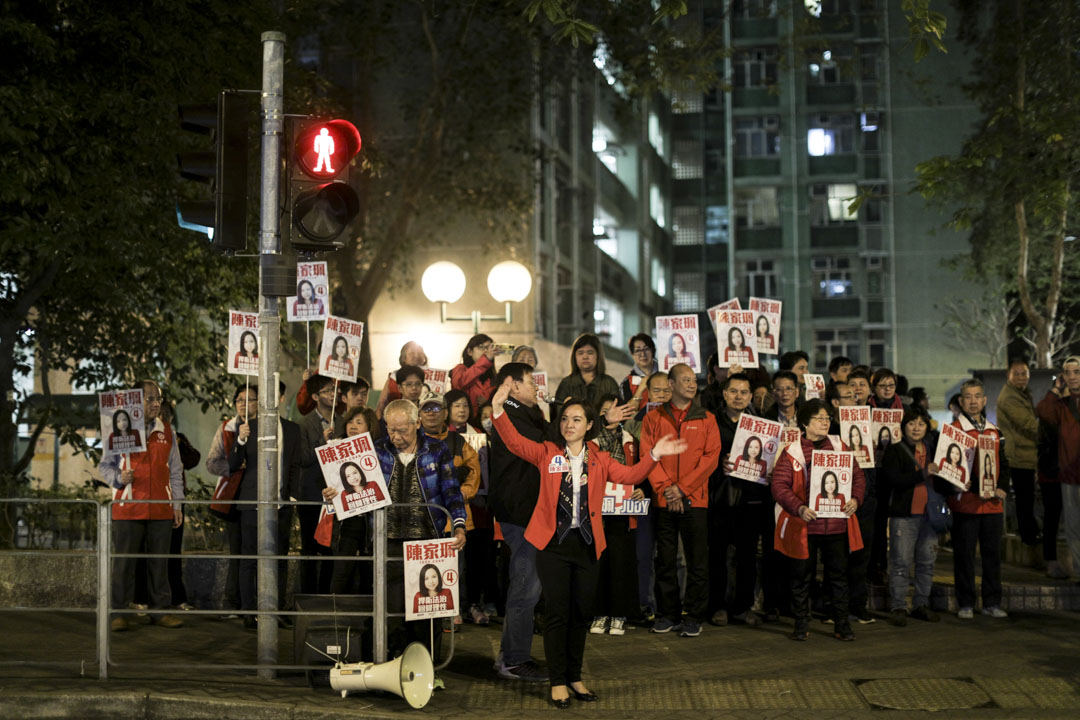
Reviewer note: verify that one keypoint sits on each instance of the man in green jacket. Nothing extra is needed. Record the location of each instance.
(1017, 422)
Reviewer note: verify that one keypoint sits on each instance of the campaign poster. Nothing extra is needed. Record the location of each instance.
(540, 379)
(855, 430)
(437, 381)
(243, 358)
(123, 426)
(766, 324)
(340, 351)
(886, 427)
(678, 342)
(815, 385)
(754, 448)
(789, 435)
(351, 467)
(954, 456)
(988, 465)
(831, 476)
(431, 579)
(312, 299)
(618, 501)
(735, 339)
(732, 304)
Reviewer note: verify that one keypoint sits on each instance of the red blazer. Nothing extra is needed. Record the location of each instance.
(602, 469)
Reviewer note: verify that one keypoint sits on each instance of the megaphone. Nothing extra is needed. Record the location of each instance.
(410, 676)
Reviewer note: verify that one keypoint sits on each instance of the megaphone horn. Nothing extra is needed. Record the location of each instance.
(410, 676)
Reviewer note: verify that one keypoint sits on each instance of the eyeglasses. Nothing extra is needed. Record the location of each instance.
(412, 384)
(431, 409)
(326, 391)
(887, 386)
(642, 350)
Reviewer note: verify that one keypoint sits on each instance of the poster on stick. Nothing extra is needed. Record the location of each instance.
(735, 339)
(886, 427)
(678, 342)
(754, 448)
(340, 350)
(431, 579)
(312, 299)
(815, 385)
(243, 354)
(123, 426)
(766, 324)
(351, 467)
(988, 464)
(954, 456)
(855, 429)
(437, 380)
(831, 476)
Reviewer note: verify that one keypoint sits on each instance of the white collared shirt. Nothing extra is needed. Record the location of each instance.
(577, 468)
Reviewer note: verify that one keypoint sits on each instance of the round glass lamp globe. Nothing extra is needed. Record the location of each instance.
(509, 281)
(443, 281)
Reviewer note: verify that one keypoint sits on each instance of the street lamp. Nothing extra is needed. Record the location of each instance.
(508, 282)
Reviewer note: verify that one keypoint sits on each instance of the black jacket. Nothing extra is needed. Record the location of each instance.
(246, 456)
(514, 483)
(745, 490)
(311, 432)
(900, 475)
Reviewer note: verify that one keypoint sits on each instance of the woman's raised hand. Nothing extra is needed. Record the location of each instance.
(668, 445)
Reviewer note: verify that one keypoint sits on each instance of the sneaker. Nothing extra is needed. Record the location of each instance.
(1056, 571)
(862, 616)
(526, 672)
(167, 621)
(923, 612)
(618, 626)
(747, 618)
(663, 625)
(802, 630)
(995, 612)
(599, 625)
(690, 628)
(229, 616)
(185, 606)
(719, 618)
(843, 632)
(478, 616)
(898, 618)
(828, 620)
(120, 624)
(965, 613)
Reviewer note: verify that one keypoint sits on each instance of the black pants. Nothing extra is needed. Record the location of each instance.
(616, 593)
(351, 538)
(481, 573)
(315, 575)
(1051, 497)
(249, 545)
(1023, 484)
(860, 560)
(754, 522)
(876, 541)
(232, 576)
(834, 558)
(568, 576)
(985, 530)
(400, 633)
(721, 535)
(176, 565)
(129, 536)
(692, 527)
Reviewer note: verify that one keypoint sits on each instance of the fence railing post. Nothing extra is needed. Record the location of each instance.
(104, 586)
(379, 601)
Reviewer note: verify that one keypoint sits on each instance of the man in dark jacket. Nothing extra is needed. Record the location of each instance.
(316, 430)
(1060, 409)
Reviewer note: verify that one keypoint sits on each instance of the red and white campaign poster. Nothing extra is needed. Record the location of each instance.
(541, 381)
(815, 385)
(340, 350)
(831, 476)
(618, 501)
(789, 435)
(988, 464)
(766, 324)
(431, 579)
(754, 448)
(855, 428)
(312, 299)
(732, 304)
(438, 381)
(123, 426)
(954, 455)
(243, 357)
(886, 427)
(678, 342)
(735, 343)
(351, 467)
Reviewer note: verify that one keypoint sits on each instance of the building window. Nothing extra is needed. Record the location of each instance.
(686, 164)
(608, 319)
(689, 292)
(754, 68)
(747, 9)
(688, 226)
(834, 7)
(830, 67)
(756, 207)
(656, 206)
(875, 348)
(832, 276)
(659, 277)
(716, 224)
(868, 64)
(686, 99)
(656, 135)
(757, 136)
(870, 124)
(761, 278)
(714, 157)
(829, 203)
(835, 343)
(830, 135)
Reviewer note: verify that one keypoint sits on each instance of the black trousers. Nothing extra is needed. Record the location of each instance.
(315, 575)
(721, 533)
(232, 577)
(1023, 484)
(351, 538)
(860, 560)
(399, 632)
(616, 593)
(481, 572)
(876, 542)
(754, 522)
(692, 527)
(249, 545)
(1051, 497)
(834, 557)
(129, 536)
(985, 530)
(176, 564)
(568, 577)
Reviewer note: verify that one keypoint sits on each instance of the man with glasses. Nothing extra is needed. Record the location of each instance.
(155, 474)
(643, 350)
(316, 429)
(786, 396)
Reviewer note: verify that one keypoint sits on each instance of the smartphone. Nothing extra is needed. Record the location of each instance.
(503, 348)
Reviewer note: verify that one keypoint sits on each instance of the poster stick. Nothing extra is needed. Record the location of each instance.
(335, 403)
(308, 325)
(247, 390)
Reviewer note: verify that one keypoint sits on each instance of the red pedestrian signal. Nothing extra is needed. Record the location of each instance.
(324, 149)
(321, 203)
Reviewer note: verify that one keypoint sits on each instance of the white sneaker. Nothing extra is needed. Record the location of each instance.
(965, 613)
(599, 625)
(995, 612)
(618, 626)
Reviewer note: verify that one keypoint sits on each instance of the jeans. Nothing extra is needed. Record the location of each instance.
(1070, 509)
(691, 527)
(985, 530)
(521, 597)
(911, 540)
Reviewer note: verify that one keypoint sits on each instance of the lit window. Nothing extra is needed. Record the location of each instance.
(832, 276)
(829, 203)
(830, 135)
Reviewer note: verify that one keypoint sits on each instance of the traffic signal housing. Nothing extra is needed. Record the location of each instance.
(223, 217)
(321, 203)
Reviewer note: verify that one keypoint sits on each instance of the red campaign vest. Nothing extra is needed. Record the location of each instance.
(227, 486)
(790, 536)
(151, 482)
(970, 502)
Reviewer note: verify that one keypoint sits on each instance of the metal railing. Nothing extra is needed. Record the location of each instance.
(104, 611)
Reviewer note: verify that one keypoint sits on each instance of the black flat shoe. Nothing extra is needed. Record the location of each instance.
(563, 704)
(585, 697)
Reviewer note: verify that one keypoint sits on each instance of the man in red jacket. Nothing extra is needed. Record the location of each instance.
(1061, 410)
(681, 485)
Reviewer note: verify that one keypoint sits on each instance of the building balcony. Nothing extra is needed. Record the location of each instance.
(746, 28)
(754, 97)
(835, 236)
(833, 164)
(748, 167)
(759, 238)
(836, 308)
(843, 94)
(612, 194)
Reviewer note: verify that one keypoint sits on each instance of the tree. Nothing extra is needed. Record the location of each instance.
(1013, 185)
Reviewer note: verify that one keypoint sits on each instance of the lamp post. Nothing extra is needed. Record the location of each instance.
(508, 282)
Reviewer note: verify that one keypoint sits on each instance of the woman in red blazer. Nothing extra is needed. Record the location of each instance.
(565, 523)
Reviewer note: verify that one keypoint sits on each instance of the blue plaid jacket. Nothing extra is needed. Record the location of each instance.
(435, 469)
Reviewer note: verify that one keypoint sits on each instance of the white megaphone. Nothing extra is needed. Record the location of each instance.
(411, 676)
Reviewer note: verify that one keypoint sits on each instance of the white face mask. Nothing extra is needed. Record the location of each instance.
(488, 425)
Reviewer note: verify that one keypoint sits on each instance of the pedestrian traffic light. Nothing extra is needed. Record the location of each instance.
(224, 217)
(321, 203)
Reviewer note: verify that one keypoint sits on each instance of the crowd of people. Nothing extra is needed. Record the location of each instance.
(524, 478)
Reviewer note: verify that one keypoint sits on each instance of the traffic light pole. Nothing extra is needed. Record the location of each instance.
(271, 107)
